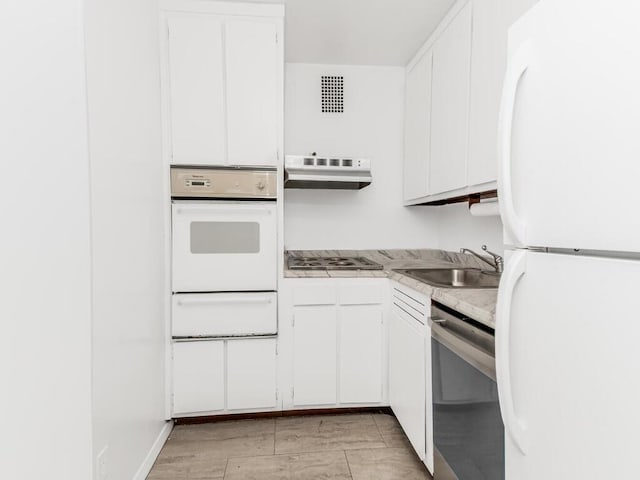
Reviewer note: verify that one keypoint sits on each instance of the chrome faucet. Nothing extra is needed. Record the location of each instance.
(497, 264)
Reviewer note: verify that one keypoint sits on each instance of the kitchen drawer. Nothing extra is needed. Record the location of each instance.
(224, 314)
(362, 294)
(314, 294)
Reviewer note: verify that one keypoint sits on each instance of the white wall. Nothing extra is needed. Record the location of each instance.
(127, 229)
(45, 309)
(457, 229)
(371, 126)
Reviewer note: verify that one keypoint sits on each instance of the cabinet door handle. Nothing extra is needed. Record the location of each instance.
(516, 67)
(515, 427)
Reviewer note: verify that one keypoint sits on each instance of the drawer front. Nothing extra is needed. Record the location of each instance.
(314, 294)
(224, 314)
(361, 294)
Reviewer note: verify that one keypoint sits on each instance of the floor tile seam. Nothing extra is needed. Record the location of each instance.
(374, 448)
(226, 465)
(207, 459)
(346, 458)
(338, 449)
(379, 431)
(187, 444)
(302, 452)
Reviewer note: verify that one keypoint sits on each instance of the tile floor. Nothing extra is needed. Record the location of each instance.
(331, 447)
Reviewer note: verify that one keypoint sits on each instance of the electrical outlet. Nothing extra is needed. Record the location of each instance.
(102, 464)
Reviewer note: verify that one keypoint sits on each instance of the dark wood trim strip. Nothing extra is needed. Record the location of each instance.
(281, 413)
(471, 199)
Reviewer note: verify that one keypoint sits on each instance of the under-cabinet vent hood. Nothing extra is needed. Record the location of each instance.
(326, 172)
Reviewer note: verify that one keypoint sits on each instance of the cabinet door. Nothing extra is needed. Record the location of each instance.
(314, 355)
(196, 90)
(491, 21)
(417, 129)
(251, 374)
(198, 377)
(450, 100)
(360, 353)
(407, 379)
(252, 92)
(487, 70)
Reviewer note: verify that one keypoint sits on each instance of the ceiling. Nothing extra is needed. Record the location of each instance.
(358, 32)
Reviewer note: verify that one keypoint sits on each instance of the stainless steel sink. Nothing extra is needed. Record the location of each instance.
(454, 277)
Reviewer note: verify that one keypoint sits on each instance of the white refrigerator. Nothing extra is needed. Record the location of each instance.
(568, 313)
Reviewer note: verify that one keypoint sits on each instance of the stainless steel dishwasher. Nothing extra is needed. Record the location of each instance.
(467, 426)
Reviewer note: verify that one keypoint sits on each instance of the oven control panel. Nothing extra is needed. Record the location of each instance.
(192, 182)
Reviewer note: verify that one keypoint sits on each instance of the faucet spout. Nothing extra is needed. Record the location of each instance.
(497, 264)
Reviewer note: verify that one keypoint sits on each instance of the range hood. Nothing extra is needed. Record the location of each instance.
(326, 172)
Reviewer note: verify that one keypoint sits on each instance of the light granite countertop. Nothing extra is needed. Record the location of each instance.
(479, 304)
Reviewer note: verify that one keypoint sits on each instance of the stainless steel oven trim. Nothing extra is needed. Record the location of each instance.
(478, 358)
(219, 183)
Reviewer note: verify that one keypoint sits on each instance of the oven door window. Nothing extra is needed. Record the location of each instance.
(224, 237)
(468, 429)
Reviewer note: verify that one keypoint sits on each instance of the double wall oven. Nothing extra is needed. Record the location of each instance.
(224, 275)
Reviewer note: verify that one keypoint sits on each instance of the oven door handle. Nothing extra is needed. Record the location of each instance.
(235, 210)
(480, 359)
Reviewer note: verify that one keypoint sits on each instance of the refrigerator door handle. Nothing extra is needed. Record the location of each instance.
(516, 67)
(513, 425)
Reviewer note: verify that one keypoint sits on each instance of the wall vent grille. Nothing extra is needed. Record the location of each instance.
(332, 94)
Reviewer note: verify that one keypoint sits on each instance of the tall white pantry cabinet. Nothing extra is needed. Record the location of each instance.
(222, 80)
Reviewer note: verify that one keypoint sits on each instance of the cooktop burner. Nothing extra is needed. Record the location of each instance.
(332, 263)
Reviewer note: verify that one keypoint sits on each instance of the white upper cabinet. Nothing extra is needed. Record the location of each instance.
(196, 96)
(450, 105)
(417, 125)
(491, 21)
(252, 92)
(222, 86)
(487, 70)
(468, 51)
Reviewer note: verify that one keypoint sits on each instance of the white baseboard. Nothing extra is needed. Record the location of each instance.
(150, 459)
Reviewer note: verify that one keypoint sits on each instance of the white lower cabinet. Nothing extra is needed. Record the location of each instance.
(341, 343)
(224, 376)
(410, 369)
(360, 353)
(335, 330)
(314, 355)
(198, 377)
(251, 374)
